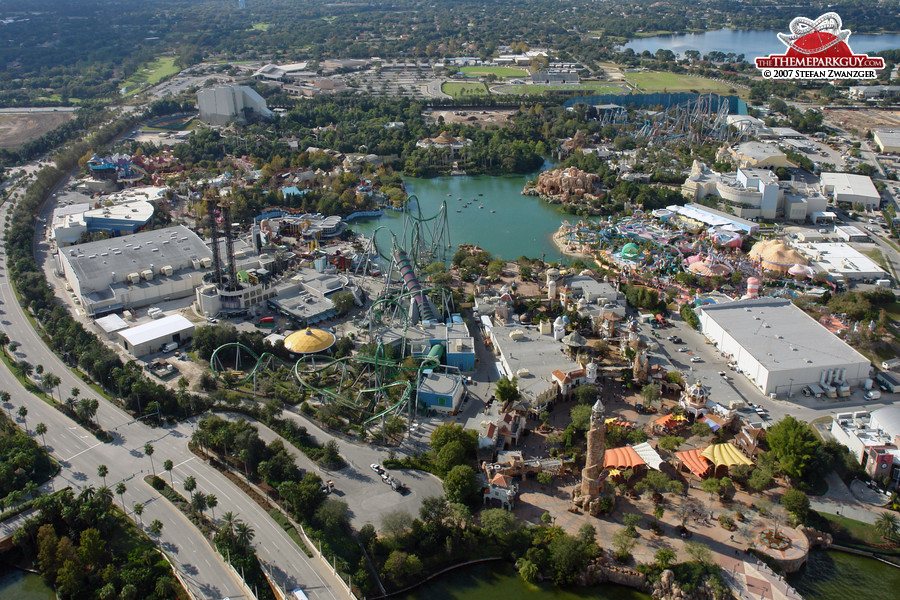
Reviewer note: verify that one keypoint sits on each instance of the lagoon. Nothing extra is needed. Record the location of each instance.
(521, 225)
(750, 42)
(835, 575)
(19, 585)
(500, 580)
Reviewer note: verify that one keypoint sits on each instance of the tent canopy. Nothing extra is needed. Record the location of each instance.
(694, 461)
(622, 458)
(650, 456)
(725, 455)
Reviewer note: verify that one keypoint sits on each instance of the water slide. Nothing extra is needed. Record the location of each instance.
(426, 310)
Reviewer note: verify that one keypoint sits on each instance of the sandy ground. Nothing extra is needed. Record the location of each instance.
(474, 117)
(863, 119)
(17, 128)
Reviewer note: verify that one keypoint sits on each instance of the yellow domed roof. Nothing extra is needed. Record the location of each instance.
(309, 341)
(775, 255)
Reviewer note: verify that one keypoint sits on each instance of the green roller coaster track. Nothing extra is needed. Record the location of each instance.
(335, 393)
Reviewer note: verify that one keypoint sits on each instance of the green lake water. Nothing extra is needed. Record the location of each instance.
(19, 585)
(834, 575)
(499, 580)
(521, 225)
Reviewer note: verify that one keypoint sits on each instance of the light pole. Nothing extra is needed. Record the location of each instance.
(791, 386)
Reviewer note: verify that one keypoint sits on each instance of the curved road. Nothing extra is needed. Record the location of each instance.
(80, 454)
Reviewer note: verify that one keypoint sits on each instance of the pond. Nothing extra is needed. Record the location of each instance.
(499, 579)
(750, 42)
(835, 575)
(510, 225)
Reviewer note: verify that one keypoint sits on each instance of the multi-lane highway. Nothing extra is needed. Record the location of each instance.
(80, 454)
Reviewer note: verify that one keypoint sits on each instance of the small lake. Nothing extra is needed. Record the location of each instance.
(751, 43)
(499, 580)
(19, 585)
(834, 575)
(521, 225)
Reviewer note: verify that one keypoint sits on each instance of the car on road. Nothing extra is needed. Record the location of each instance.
(684, 349)
(377, 468)
(696, 359)
(677, 340)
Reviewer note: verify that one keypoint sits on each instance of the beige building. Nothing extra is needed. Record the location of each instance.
(758, 154)
(888, 140)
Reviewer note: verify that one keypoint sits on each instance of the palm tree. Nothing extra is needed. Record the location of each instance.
(75, 392)
(103, 471)
(156, 527)
(139, 510)
(887, 525)
(190, 484)
(24, 368)
(105, 495)
(23, 412)
(198, 502)
(165, 585)
(148, 450)
(41, 429)
(120, 490)
(244, 534)
(49, 380)
(212, 502)
(229, 521)
(168, 465)
(4, 397)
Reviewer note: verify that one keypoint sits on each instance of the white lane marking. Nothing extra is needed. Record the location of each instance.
(83, 451)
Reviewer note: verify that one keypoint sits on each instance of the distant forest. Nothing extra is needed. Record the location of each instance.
(83, 50)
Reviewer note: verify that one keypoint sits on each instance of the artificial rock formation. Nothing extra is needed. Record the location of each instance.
(561, 186)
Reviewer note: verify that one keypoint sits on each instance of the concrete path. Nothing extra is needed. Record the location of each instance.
(839, 500)
(750, 579)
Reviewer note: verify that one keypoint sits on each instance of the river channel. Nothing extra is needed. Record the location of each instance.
(510, 225)
(750, 42)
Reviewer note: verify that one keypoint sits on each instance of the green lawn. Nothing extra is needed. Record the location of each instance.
(458, 89)
(151, 74)
(587, 88)
(180, 125)
(498, 71)
(261, 26)
(672, 82)
(851, 532)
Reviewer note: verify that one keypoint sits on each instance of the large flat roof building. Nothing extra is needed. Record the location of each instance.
(758, 154)
(778, 346)
(850, 188)
(135, 270)
(888, 140)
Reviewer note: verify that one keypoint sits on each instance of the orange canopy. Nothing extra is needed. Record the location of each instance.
(695, 461)
(667, 421)
(622, 458)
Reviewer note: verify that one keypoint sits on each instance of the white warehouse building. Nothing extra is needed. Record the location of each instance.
(152, 336)
(780, 348)
(134, 270)
(223, 104)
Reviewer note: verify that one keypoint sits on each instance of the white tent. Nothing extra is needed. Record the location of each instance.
(650, 456)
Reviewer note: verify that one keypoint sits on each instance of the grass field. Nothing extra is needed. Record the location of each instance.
(261, 26)
(586, 88)
(498, 71)
(152, 73)
(458, 89)
(672, 82)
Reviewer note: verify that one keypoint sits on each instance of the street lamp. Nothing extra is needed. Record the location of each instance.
(790, 387)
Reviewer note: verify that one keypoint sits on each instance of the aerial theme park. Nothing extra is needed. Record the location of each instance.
(411, 338)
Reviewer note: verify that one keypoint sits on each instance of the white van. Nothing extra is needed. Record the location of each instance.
(298, 594)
